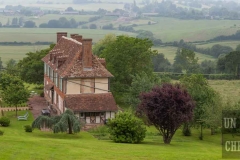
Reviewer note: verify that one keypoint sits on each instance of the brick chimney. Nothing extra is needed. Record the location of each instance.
(87, 53)
(73, 35)
(78, 38)
(60, 34)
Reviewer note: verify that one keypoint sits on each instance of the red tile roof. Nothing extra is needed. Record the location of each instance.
(91, 102)
(66, 59)
(49, 86)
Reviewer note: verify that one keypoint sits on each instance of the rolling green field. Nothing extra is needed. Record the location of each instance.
(170, 53)
(232, 44)
(17, 52)
(171, 29)
(49, 34)
(17, 144)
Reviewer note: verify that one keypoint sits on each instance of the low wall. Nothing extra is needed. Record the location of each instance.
(14, 109)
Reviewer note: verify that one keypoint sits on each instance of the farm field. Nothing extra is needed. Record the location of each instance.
(171, 29)
(17, 52)
(170, 53)
(17, 144)
(232, 44)
(229, 90)
(49, 34)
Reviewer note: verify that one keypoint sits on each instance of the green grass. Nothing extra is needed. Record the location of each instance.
(232, 44)
(49, 34)
(229, 90)
(18, 52)
(18, 144)
(170, 53)
(171, 29)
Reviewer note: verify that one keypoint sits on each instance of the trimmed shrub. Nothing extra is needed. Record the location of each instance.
(126, 128)
(5, 121)
(28, 128)
(1, 132)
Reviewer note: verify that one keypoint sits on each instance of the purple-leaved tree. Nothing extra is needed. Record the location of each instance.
(167, 107)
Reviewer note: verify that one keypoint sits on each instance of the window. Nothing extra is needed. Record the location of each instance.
(56, 79)
(87, 86)
(81, 115)
(60, 85)
(45, 68)
(50, 72)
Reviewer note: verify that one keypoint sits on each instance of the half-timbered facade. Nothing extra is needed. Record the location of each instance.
(76, 79)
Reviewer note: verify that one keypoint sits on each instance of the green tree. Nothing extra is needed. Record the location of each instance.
(140, 83)
(160, 63)
(13, 90)
(208, 67)
(101, 44)
(204, 96)
(11, 67)
(29, 24)
(128, 56)
(238, 47)
(126, 128)
(1, 66)
(93, 26)
(232, 62)
(186, 61)
(66, 122)
(31, 67)
(221, 64)
(218, 49)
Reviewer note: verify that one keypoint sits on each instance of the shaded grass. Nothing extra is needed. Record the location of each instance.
(18, 144)
(170, 53)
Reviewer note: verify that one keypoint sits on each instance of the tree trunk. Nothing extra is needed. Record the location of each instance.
(166, 139)
(69, 126)
(16, 110)
(201, 134)
(212, 131)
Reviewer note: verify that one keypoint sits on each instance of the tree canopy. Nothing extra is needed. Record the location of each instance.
(185, 61)
(13, 90)
(31, 67)
(128, 56)
(66, 122)
(167, 107)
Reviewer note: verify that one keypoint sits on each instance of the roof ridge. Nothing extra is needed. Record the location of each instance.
(73, 40)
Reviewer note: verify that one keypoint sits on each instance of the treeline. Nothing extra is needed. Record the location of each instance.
(226, 66)
(235, 36)
(170, 9)
(215, 51)
(24, 43)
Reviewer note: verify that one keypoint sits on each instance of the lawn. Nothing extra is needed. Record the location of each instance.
(171, 29)
(170, 53)
(18, 52)
(17, 144)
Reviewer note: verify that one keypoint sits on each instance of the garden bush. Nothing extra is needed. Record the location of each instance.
(1, 132)
(126, 128)
(4, 121)
(28, 128)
